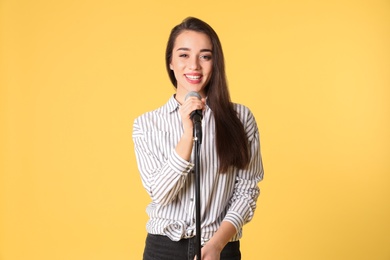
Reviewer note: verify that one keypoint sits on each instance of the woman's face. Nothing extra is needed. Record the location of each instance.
(191, 62)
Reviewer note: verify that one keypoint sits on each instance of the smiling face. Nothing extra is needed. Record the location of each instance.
(191, 62)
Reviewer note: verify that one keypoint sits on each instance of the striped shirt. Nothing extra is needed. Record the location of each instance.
(170, 182)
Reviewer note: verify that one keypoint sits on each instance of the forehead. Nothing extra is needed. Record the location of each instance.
(193, 40)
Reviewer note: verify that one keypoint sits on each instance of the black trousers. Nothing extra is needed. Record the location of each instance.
(162, 248)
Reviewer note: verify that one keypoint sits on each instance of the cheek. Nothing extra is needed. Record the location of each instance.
(210, 69)
(176, 65)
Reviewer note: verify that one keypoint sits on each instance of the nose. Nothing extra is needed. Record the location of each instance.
(193, 63)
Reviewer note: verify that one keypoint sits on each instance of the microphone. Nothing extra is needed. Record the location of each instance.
(196, 117)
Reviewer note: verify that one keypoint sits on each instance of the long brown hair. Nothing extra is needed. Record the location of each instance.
(231, 139)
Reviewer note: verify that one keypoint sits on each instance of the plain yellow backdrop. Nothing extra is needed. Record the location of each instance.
(75, 74)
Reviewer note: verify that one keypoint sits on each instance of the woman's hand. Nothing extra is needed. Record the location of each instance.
(210, 252)
(184, 146)
(213, 248)
(185, 110)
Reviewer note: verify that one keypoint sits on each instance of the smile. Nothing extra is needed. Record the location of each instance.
(193, 77)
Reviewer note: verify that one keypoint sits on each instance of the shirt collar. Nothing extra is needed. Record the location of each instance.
(172, 104)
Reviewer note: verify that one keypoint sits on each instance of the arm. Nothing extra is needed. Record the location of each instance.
(246, 190)
(164, 169)
(163, 172)
(243, 201)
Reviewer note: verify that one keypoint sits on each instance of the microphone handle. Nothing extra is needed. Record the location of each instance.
(197, 122)
(196, 114)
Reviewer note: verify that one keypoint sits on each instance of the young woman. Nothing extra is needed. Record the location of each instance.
(230, 160)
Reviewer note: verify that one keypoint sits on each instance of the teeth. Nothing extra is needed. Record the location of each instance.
(192, 77)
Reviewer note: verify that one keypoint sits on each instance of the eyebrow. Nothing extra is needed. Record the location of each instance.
(188, 49)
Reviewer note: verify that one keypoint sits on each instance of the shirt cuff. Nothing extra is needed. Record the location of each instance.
(237, 219)
(180, 165)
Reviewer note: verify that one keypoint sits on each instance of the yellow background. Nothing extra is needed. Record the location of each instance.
(75, 74)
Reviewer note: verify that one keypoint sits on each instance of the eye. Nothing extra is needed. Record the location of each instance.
(205, 57)
(183, 55)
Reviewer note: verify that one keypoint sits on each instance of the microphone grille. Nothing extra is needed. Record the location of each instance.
(192, 94)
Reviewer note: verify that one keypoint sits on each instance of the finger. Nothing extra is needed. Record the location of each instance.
(193, 105)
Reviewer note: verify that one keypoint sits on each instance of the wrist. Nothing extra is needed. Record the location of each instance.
(216, 245)
(188, 136)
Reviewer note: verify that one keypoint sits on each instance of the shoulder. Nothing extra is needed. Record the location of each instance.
(149, 118)
(247, 119)
(155, 118)
(149, 114)
(243, 113)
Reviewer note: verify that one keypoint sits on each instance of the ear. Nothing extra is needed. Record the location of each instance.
(170, 66)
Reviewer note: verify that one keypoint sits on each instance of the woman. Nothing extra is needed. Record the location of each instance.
(230, 160)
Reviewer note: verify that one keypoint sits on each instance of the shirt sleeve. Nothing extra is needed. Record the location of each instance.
(246, 190)
(162, 176)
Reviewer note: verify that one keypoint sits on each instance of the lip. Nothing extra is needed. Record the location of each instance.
(193, 78)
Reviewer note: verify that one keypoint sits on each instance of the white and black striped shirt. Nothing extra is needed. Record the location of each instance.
(168, 180)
